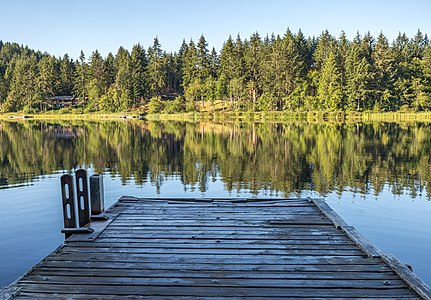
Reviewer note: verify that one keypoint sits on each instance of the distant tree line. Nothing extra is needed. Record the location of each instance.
(273, 73)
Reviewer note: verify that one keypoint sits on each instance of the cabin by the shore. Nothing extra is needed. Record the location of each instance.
(63, 101)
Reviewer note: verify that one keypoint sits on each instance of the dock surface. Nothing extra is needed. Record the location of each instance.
(218, 249)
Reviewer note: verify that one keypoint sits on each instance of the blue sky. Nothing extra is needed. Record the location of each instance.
(64, 26)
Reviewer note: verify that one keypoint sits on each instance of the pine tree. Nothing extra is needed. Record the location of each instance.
(237, 84)
(214, 63)
(322, 50)
(227, 66)
(203, 66)
(123, 80)
(404, 54)
(81, 79)
(384, 74)
(23, 89)
(97, 84)
(110, 70)
(343, 47)
(180, 65)
(156, 69)
(292, 69)
(358, 76)
(66, 71)
(253, 60)
(46, 81)
(190, 73)
(139, 64)
(330, 91)
(425, 97)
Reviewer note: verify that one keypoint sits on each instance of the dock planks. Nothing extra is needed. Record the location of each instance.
(219, 249)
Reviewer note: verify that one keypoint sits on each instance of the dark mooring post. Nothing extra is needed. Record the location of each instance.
(96, 195)
(68, 198)
(82, 196)
(69, 204)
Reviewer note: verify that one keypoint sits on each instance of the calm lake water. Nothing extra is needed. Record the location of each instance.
(376, 176)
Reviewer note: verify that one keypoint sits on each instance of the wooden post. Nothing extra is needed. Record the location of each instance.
(82, 197)
(68, 197)
(96, 194)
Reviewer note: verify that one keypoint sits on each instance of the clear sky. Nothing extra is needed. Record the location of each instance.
(67, 26)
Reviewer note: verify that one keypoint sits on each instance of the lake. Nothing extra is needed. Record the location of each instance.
(376, 176)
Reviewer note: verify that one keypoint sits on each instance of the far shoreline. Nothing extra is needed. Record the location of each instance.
(311, 116)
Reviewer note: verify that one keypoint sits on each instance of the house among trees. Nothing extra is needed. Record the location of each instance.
(63, 101)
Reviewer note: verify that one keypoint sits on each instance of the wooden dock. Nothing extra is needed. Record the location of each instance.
(218, 249)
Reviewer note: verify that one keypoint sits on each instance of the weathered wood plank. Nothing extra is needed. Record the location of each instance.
(214, 245)
(214, 258)
(327, 240)
(144, 273)
(203, 251)
(208, 266)
(351, 232)
(408, 276)
(182, 281)
(233, 230)
(25, 295)
(219, 249)
(219, 236)
(219, 291)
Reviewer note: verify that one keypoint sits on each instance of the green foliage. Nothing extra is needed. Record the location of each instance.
(156, 105)
(330, 90)
(174, 106)
(271, 73)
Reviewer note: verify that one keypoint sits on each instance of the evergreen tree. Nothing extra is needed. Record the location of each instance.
(97, 84)
(181, 57)
(358, 76)
(253, 60)
(227, 67)
(156, 69)
(81, 79)
(190, 66)
(330, 90)
(214, 63)
(384, 74)
(23, 89)
(139, 64)
(292, 69)
(110, 70)
(404, 55)
(66, 71)
(123, 80)
(343, 46)
(46, 81)
(322, 50)
(203, 66)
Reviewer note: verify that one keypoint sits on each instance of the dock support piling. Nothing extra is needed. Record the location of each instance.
(96, 194)
(82, 197)
(68, 197)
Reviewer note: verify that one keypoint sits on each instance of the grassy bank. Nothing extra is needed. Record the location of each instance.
(312, 116)
(70, 116)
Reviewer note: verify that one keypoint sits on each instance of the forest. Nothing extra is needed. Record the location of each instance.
(289, 72)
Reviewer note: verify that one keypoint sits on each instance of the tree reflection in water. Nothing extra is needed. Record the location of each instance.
(288, 157)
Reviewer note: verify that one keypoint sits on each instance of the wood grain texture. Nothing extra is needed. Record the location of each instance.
(219, 249)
